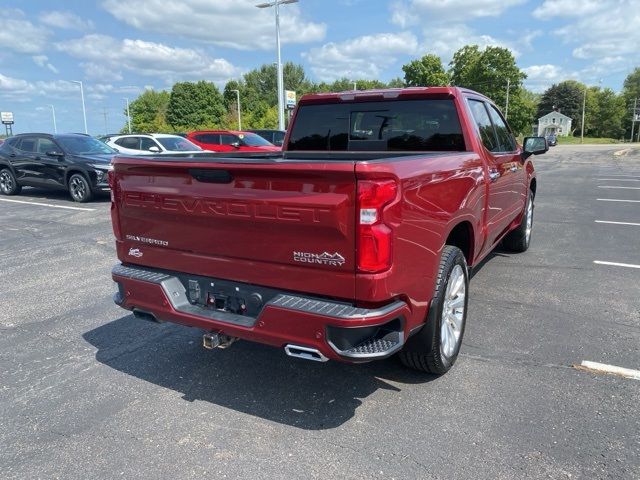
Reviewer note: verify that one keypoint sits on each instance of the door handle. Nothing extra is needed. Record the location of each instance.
(494, 175)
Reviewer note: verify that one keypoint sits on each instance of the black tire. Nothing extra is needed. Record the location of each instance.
(424, 350)
(518, 240)
(8, 183)
(79, 188)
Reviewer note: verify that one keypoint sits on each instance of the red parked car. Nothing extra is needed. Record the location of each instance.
(354, 245)
(231, 141)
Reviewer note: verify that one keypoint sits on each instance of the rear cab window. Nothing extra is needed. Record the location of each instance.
(398, 125)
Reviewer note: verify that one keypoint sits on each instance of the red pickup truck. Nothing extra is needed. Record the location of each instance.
(352, 244)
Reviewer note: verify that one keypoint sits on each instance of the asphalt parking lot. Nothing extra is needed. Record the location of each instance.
(87, 391)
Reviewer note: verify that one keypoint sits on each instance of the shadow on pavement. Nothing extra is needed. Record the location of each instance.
(250, 378)
(42, 194)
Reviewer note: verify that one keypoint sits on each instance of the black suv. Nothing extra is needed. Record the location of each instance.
(74, 162)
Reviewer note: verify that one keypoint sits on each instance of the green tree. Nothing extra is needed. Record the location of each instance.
(149, 112)
(487, 71)
(565, 97)
(425, 72)
(522, 110)
(631, 92)
(606, 118)
(195, 105)
(631, 86)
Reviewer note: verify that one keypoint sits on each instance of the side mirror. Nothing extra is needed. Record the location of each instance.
(55, 153)
(154, 149)
(534, 146)
(235, 144)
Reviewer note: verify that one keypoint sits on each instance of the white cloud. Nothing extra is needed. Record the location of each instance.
(447, 39)
(602, 29)
(416, 12)
(14, 86)
(361, 57)
(43, 61)
(65, 20)
(146, 58)
(566, 8)
(541, 77)
(100, 71)
(20, 35)
(228, 23)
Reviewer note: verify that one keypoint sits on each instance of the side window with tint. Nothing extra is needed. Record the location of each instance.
(506, 143)
(147, 143)
(226, 139)
(46, 145)
(210, 138)
(27, 144)
(481, 117)
(129, 142)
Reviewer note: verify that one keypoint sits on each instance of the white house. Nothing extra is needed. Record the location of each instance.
(554, 122)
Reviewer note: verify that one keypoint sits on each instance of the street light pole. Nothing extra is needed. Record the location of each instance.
(53, 112)
(128, 114)
(276, 4)
(84, 111)
(506, 108)
(633, 117)
(239, 116)
(584, 104)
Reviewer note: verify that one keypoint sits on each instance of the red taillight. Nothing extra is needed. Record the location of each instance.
(374, 236)
(115, 220)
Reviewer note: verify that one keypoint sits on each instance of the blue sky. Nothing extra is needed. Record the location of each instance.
(120, 47)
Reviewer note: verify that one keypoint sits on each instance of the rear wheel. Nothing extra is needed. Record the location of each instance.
(518, 240)
(8, 183)
(434, 349)
(79, 188)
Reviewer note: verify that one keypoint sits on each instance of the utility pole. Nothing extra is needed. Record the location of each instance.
(506, 108)
(633, 117)
(584, 104)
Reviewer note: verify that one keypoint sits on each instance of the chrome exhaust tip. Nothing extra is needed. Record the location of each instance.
(305, 353)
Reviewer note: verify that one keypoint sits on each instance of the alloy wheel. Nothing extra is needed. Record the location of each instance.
(6, 182)
(78, 188)
(453, 312)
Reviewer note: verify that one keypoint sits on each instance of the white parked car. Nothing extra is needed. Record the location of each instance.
(151, 144)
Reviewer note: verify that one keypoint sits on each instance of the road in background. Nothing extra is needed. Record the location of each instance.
(88, 391)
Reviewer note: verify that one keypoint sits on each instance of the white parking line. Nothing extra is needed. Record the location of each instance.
(618, 223)
(615, 264)
(616, 200)
(47, 205)
(610, 369)
(624, 188)
(618, 179)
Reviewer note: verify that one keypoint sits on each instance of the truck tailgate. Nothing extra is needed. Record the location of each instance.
(276, 223)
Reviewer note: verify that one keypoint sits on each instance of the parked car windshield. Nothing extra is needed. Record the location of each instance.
(406, 125)
(82, 145)
(177, 144)
(253, 140)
